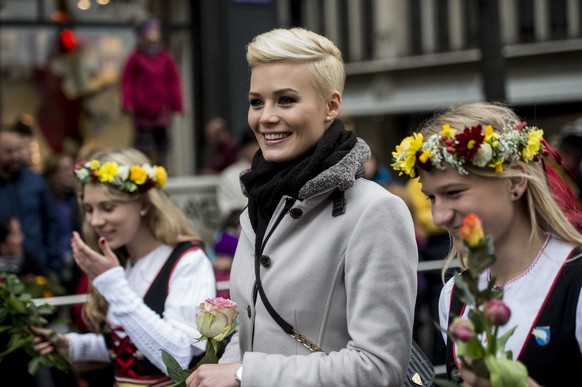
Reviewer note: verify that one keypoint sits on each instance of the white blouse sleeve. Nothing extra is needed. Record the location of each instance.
(88, 347)
(445, 306)
(191, 282)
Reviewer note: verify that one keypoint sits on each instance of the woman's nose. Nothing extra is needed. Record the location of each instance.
(268, 115)
(442, 215)
(95, 219)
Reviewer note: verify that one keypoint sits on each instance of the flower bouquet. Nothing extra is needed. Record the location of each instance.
(216, 320)
(18, 313)
(478, 345)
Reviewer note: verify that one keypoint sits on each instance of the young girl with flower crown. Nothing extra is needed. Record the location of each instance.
(147, 268)
(480, 158)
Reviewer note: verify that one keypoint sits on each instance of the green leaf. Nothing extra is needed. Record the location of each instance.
(503, 339)
(465, 294)
(16, 341)
(45, 309)
(472, 348)
(480, 259)
(175, 371)
(33, 365)
(505, 372)
(16, 305)
(478, 320)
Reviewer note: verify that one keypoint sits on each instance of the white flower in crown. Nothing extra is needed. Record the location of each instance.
(123, 172)
(82, 174)
(151, 171)
(483, 156)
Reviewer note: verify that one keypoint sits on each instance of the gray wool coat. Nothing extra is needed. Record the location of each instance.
(347, 282)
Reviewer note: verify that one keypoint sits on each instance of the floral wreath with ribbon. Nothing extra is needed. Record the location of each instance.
(475, 146)
(125, 178)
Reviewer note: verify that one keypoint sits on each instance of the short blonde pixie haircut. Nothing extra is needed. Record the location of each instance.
(300, 45)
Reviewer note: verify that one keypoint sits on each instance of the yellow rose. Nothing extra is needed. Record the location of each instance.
(161, 176)
(472, 230)
(138, 175)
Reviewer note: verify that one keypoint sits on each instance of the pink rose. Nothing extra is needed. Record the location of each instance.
(496, 312)
(216, 318)
(462, 329)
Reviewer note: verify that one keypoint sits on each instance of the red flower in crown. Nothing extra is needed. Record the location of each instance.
(469, 141)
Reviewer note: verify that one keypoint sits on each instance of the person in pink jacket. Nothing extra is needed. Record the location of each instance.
(151, 92)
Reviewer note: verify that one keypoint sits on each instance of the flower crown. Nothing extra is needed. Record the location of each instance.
(130, 179)
(474, 146)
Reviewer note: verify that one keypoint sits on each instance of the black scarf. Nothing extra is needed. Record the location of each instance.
(268, 182)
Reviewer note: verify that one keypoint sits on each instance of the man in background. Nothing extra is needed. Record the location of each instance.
(25, 195)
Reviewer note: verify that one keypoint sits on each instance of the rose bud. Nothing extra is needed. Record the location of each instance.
(462, 329)
(216, 318)
(472, 230)
(496, 312)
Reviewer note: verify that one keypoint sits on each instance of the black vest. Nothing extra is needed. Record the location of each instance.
(558, 362)
(127, 363)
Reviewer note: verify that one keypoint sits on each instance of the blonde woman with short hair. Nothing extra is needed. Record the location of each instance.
(325, 269)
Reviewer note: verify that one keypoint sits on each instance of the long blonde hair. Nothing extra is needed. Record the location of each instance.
(545, 215)
(166, 222)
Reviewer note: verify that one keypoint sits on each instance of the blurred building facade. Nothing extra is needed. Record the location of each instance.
(404, 60)
(407, 58)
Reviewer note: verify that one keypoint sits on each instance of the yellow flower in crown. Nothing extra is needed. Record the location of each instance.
(129, 179)
(477, 146)
(405, 155)
(138, 175)
(533, 145)
(448, 131)
(161, 175)
(106, 173)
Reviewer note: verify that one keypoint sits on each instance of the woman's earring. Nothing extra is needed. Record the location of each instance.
(515, 194)
(142, 212)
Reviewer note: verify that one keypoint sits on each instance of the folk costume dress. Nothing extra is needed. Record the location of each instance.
(546, 306)
(189, 280)
(337, 260)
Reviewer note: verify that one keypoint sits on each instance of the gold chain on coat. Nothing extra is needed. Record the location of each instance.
(310, 345)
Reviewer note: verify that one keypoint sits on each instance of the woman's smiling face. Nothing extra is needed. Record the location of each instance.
(454, 196)
(286, 113)
(117, 220)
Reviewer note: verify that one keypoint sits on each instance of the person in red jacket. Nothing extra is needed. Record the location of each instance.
(151, 92)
